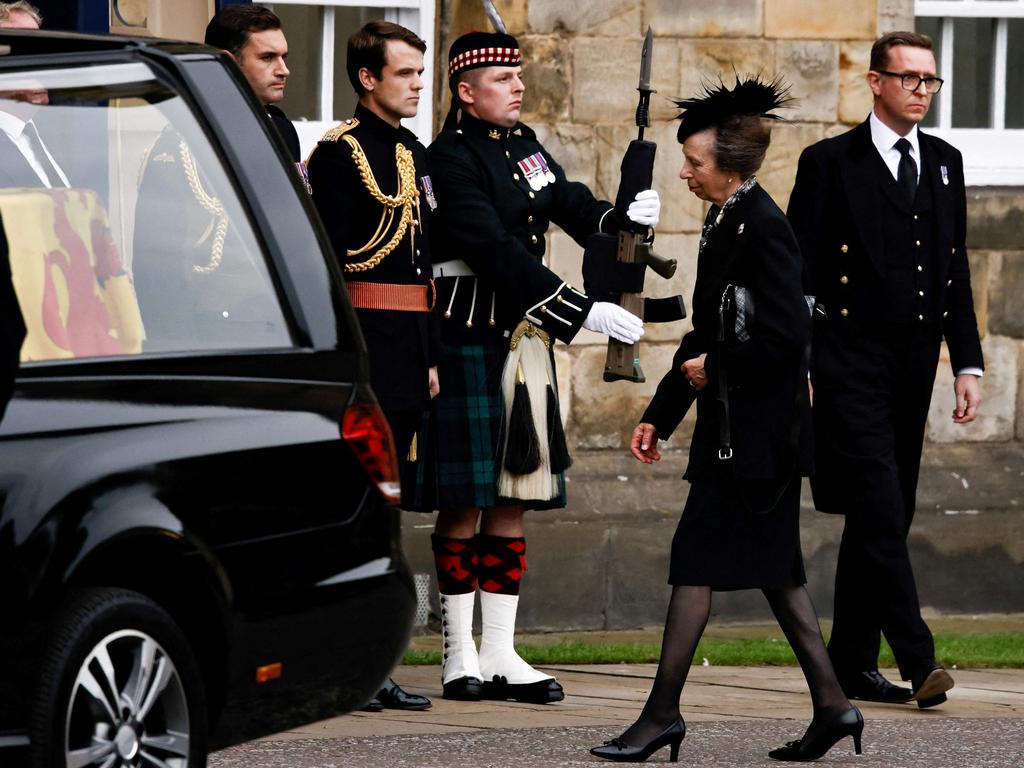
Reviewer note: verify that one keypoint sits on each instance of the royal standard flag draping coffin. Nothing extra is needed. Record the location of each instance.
(77, 298)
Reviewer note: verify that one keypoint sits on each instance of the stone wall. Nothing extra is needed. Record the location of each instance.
(581, 67)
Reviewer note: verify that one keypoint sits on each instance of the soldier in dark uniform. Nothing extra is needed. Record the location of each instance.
(373, 191)
(498, 448)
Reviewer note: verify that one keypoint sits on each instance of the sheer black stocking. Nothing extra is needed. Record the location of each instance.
(688, 612)
(794, 611)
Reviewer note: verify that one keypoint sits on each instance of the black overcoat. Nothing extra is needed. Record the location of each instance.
(753, 247)
(836, 213)
(842, 195)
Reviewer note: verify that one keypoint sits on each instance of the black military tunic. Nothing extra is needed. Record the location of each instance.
(402, 344)
(497, 190)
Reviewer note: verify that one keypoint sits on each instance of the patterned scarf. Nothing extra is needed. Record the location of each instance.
(734, 198)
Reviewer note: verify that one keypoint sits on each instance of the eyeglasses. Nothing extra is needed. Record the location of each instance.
(913, 82)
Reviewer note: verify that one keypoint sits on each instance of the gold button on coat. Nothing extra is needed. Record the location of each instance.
(920, 268)
(533, 239)
(529, 219)
(949, 283)
(920, 293)
(844, 312)
(515, 176)
(920, 317)
(532, 195)
(844, 248)
(844, 279)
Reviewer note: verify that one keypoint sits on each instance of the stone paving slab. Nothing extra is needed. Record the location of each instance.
(735, 714)
(935, 743)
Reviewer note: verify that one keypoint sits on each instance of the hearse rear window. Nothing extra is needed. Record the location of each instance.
(125, 234)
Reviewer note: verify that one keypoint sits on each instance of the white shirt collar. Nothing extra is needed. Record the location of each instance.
(14, 127)
(11, 125)
(884, 138)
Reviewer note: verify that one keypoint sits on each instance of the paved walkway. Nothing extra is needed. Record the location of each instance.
(734, 714)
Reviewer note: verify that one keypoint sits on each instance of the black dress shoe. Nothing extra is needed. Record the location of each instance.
(462, 689)
(392, 696)
(541, 692)
(373, 705)
(850, 723)
(621, 752)
(930, 686)
(871, 686)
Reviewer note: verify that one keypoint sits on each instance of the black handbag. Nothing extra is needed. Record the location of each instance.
(736, 312)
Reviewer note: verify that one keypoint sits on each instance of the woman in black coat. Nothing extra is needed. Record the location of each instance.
(745, 365)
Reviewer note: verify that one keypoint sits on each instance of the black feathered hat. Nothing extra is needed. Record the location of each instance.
(482, 49)
(718, 104)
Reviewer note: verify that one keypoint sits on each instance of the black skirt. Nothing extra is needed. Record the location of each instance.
(719, 543)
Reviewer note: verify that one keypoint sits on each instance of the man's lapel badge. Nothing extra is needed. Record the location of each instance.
(945, 175)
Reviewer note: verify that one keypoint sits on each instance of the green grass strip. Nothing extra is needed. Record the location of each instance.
(976, 651)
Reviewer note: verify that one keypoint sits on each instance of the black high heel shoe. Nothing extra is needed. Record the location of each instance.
(850, 723)
(621, 752)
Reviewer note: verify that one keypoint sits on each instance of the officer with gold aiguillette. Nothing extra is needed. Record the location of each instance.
(372, 190)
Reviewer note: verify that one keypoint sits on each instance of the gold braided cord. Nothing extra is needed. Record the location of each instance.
(210, 204)
(404, 199)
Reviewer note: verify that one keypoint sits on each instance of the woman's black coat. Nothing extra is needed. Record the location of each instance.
(754, 247)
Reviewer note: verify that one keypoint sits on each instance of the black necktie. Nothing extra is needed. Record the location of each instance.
(906, 175)
(42, 157)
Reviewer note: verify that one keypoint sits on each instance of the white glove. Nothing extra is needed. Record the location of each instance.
(613, 320)
(645, 208)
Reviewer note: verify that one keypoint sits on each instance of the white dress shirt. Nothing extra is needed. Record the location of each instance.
(884, 138)
(14, 127)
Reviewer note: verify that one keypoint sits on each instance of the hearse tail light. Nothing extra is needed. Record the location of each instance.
(367, 432)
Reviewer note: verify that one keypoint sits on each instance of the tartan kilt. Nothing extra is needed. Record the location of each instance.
(460, 437)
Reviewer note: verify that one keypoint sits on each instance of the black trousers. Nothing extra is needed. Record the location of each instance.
(404, 423)
(872, 391)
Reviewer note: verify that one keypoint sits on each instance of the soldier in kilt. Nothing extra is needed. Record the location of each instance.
(495, 444)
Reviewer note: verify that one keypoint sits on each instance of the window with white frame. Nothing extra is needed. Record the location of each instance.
(319, 94)
(979, 48)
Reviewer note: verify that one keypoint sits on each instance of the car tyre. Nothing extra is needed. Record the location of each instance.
(118, 687)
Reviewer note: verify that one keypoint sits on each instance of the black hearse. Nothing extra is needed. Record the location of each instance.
(198, 542)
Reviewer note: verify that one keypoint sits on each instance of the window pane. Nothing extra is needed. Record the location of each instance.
(148, 247)
(301, 24)
(932, 27)
(972, 70)
(347, 22)
(1015, 74)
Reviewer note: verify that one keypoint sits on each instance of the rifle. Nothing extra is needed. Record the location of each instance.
(614, 266)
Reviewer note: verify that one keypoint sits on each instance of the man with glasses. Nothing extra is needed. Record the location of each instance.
(880, 215)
